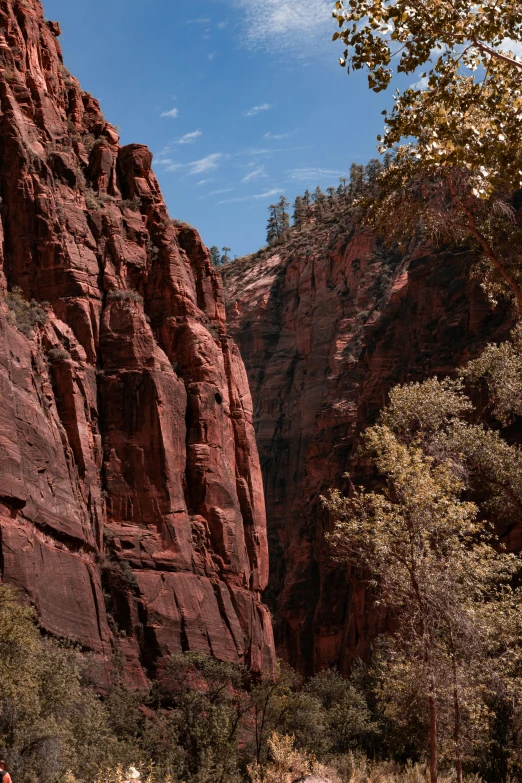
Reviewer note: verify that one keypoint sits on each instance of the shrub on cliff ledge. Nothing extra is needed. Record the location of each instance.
(24, 314)
(124, 295)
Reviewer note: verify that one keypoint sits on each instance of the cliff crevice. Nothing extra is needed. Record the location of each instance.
(327, 325)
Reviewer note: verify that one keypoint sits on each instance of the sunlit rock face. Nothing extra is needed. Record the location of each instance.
(325, 332)
(131, 498)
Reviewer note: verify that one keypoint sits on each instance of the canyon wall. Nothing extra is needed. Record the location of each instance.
(131, 499)
(326, 328)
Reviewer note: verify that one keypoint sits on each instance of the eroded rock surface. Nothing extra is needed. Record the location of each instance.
(326, 329)
(131, 499)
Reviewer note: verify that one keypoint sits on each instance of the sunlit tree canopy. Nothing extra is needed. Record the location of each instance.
(465, 105)
(455, 130)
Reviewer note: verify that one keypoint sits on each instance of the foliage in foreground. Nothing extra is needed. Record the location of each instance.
(288, 765)
(205, 721)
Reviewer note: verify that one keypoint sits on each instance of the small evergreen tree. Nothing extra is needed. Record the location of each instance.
(225, 258)
(356, 187)
(278, 226)
(272, 226)
(371, 174)
(318, 196)
(319, 200)
(299, 212)
(215, 256)
(283, 214)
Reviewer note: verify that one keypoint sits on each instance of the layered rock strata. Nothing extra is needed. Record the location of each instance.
(131, 499)
(326, 329)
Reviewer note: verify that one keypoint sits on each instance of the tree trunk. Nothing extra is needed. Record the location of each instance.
(433, 734)
(432, 704)
(431, 683)
(456, 712)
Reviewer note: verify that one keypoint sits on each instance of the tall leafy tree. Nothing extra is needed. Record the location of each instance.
(432, 562)
(465, 109)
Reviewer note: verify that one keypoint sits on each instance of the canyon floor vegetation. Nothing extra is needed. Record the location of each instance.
(204, 720)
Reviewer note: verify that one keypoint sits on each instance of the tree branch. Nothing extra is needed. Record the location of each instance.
(495, 53)
(488, 250)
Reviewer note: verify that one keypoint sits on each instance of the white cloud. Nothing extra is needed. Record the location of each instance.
(212, 56)
(515, 47)
(200, 166)
(266, 194)
(222, 25)
(279, 136)
(189, 138)
(173, 113)
(221, 191)
(256, 109)
(256, 151)
(256, 174)
(204, 181)
(164, 156)
(284, 24)
(311, 174)
(199, 20)
(421, 84)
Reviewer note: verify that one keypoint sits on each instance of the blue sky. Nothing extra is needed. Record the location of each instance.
(239, 100)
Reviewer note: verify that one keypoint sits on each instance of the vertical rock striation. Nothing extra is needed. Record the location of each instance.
(326, 330)
(131, 499)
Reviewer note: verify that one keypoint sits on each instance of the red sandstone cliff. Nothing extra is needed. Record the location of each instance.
(131, 499)
(326, 329)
